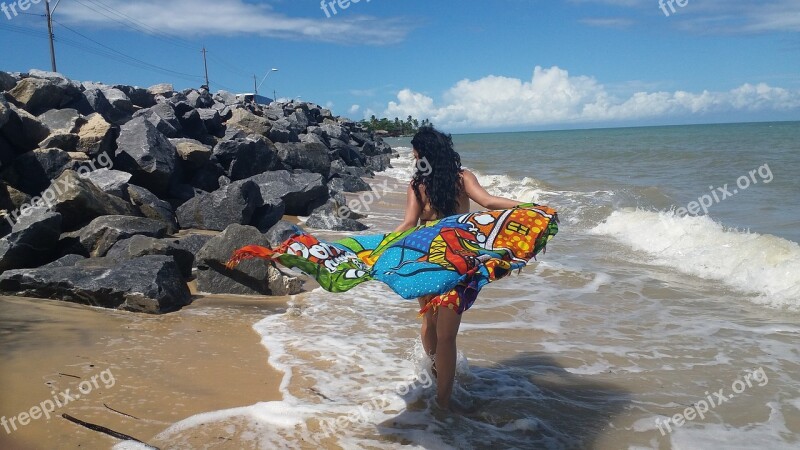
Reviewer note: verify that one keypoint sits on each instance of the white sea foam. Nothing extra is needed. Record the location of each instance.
(762, 264)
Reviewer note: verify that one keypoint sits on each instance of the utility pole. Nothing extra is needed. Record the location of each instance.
(205, 64)
(50, 32)
(255, 86)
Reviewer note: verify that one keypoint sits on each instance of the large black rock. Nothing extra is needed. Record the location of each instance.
(146, 154)
(250, 277)
(96, 238)
(152, 207)
(149, 284)
(79, 201)
(310, 156)
(301, 192)
(140, 245)
(32, 241)
(231, 204)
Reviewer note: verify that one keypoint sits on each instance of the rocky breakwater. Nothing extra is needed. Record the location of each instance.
(103, 188)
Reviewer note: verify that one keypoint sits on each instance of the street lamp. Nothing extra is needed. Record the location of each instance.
(262, 80)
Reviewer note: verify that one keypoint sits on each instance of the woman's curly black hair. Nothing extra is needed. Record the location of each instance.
(442, 170)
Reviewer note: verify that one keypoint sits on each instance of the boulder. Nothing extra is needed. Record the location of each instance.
(248, 122)
(163, 117)
(280, 232)
(194, 152)
(332, 216)
(37, 95)
(348, 153)
(192, 243)
(232, 204)
(96, 238)
(163, 89)
(378, 163)
(5, 110)
(93, 101)
(96, 136)
(7, 81)
(212, 121)
(33, 171)
(32, 241)
(152, 207)
(312, 157)
(119, 101)
(349, 183)
(139, 245)
(335, 131)
(79, 201)
(62, 120)
(244, 158)
(301, 192)
(67, 142)
(268, 214)
(23, 131)
(147, 155)
(139, 97)
(149, 284)
(191, 122)
(250, 277)
(114, 182)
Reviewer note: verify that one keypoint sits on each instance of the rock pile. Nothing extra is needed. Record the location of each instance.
(96, 180)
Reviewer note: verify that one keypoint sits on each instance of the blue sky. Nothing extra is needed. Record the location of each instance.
(467, 65)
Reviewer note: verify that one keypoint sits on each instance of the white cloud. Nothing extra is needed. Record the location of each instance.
(354, 109)
(552, 96)
(232, 17)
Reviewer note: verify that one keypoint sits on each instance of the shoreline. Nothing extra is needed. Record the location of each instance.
(157, 369)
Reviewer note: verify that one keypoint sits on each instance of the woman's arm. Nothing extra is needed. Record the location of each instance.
(478, 194)
(413, 211)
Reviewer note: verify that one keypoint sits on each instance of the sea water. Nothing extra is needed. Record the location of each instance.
(650, 323)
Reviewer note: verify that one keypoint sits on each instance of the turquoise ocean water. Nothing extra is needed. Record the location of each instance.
(624, 335)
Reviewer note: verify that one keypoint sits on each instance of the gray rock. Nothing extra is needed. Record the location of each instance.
(194, 152)
(232, 204)
(301, 192)
(152, 207)
(248, 122)
(62, 120)
(163, 117)
(226, 98)
(37, 95)
(191, 122)
(118, 99)
(192, 243)
(5, 111)
(95, 136)
(349, 154)
(114, 182)
(212, 121)
(164, 89)
(94, 101)
(334, 131)
(378, 163)
(140, 245)
(147, 155)
(332, 216)
(33, 171)
(65, 261)
(250, 277)
(67, 142)
(96, 238)
(138, 97)
(32, 241)
(268, 214)
(23, 130)
(79, 201)
(149, 284)
(313, 157)
(280, 232)
(7, 82)
(349, 183)
(281, 132)
(244, 158)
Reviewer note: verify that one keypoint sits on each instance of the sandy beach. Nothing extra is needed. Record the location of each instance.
(153, 370)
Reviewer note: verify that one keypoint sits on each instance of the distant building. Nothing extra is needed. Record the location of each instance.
(248, 97)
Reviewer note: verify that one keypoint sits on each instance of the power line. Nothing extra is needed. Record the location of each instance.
(138, 61)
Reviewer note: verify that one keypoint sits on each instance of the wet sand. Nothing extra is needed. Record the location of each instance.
(153, 370)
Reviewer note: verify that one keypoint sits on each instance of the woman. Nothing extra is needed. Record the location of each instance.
(443, 190)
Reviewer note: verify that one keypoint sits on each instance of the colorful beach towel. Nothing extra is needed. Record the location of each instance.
(451, 259)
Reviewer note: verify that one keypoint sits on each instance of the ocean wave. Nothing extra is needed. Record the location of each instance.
(765, 265)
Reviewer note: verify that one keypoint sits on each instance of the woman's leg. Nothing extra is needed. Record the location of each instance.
(447, 323)
(428, 332)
